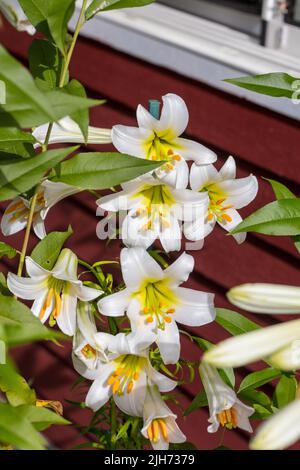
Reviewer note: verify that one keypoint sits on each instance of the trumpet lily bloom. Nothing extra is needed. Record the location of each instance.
(154, 302)
(87, 352)
(67, 131)
(160, 425)
(282, 341)
(155, 210)
(226, 195)
(158, 140)
(17, 212)
(54, 292)
(125, 376)
(280, 431)
(13, 12)
(266, 298)
(224, 406)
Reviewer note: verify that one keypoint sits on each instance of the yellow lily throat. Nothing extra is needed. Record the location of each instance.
(157, 301)
(217, 204)
(127, 371)
(158, 430)
(228, 418)
(158, 149)
(156, 202)
(19, 211)
(56, 288)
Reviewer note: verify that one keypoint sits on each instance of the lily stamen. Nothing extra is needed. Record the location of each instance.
(228, 418)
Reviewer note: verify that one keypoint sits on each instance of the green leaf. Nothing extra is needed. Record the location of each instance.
(15, 387)
(11, 135)
(27, 106)
(16, 430)
(7, 250)
(20, 326)
(285, 391)
(47, 250)
(254, 397)
(20, 175)
(50, 18)
(257, 379)
(41, 418)
(75, 88)
(199, 401)
(234, 323)
(104, 5)
(261, 412)
(280, 218)
(102, 170)
(280, 190)
(3, 288)
(272, 84)
(45, 64)
(18, 149)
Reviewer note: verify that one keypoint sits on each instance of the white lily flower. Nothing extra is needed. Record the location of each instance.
(226, 195)
(156, 211)
(54, 292)
(154, 302)
(259, 344)
(125, 376)
(17, 212)
(160, 425)
(280, 431)
(224, 406)
(87, 352)
(266, 298)
(13, 12)
(67, 131)
(158, 140)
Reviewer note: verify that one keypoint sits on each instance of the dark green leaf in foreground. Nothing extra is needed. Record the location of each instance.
(280, 218)
(18, 175)
(257, 379)
(102, 170)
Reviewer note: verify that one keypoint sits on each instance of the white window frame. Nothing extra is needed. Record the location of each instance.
(198, 48)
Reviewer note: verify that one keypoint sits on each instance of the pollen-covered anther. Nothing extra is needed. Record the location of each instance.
(149, 319)
(227, 218)
(88, 351)
(228, 418)
(158, 430)
(176, 158)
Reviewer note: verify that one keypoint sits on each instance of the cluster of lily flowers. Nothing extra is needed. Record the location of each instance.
(120, 365)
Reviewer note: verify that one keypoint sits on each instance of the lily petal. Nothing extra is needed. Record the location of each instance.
(66, 266)
(137, 265)
(9, 224)
(26, 288)
(180, 270)
(132, 403)
(202, 176)
(170, 237)
(66, 320)
(131, 140)
(240, 192)
(86, 293)
(250, 347)
(228, 170)
(191, 150)
(195, 308)
(174, 117)
(236, 219)
(39, 227)
(133, 233)
(280, 431)
(100, 391)
(34, 269)
(114, 305)
(168, 342)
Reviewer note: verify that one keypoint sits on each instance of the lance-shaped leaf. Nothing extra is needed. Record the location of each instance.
(104, 5)
(81, 117)
(258, 379)
(11, 135)
(15, 387)
(20, 326)
(281, 218)
(102, 170)
(17, 430)
(234, 323)
(26, 106)
(39, 417)
(285, 391)
(7, 250)
(272, 84)
(18, 175)
(50, 17)
(199, 401)
(47, 250)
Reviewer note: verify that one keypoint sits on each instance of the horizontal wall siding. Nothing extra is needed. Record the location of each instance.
(262, 142)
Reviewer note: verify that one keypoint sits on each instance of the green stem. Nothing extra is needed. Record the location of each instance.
(113, 423)
(27, 232)
(67, 61)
